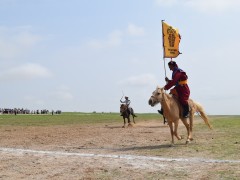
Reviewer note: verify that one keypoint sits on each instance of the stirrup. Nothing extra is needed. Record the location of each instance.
(186, 116)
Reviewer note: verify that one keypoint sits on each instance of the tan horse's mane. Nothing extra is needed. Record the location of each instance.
(169, 100)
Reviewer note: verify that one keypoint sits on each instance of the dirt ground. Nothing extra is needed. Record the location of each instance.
(105, 152)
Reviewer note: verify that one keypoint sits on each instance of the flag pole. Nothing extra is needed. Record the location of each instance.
(163, 50)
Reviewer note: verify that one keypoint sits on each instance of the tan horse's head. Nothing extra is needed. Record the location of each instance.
(156, 97)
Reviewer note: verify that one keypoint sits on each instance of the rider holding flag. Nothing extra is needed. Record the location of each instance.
(179, 80)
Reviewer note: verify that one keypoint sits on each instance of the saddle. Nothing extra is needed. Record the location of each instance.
(174, 92)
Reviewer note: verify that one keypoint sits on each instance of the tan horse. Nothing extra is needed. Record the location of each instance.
(172, 112)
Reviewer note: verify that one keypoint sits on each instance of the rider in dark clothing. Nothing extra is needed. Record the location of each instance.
(179, 80)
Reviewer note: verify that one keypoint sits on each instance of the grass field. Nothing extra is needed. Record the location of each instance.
(67, 118)
(222, 142)
(102, 133)
(219, 122)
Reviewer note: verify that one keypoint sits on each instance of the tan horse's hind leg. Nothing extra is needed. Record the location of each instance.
(191, 124)
(184, 120)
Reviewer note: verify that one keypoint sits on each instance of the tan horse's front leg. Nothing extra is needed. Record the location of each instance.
(172, 133)
(176, 130)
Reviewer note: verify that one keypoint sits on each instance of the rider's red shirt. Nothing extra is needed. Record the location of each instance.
(182, 90)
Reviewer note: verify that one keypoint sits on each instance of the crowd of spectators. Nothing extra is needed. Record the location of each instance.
(27, 111)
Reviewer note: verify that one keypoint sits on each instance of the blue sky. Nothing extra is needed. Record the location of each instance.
(80, 55)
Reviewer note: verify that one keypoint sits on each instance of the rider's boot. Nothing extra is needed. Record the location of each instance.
(133, 114)
(160, 111)
(185, 111)
(164, 120)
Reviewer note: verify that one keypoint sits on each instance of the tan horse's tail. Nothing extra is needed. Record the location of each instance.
(203, 115)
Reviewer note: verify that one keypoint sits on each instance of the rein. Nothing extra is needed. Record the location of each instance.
(163, 98)
(163, 101)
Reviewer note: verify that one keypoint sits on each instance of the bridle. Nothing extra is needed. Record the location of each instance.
(162, 94)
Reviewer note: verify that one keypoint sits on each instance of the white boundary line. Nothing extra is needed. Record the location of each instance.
(127, 157)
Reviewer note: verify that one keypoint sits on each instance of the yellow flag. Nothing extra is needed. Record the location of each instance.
(171, 40)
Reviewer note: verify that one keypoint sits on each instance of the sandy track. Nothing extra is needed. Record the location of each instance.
(103, 152)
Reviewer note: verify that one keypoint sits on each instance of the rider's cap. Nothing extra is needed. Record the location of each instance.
(172, 63)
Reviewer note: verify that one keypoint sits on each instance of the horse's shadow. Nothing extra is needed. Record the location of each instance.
(136, 125)
(162, 146)
(135, 148)
(113, 127)
(144, 147)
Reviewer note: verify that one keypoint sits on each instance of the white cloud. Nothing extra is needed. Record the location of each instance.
(141, 80)
(114, 39)
(25, 72)
(213, 5)
(6, 2)
(62, 93)
(16, 41)
(135, 30)
(27, 39)
(34, 101)
(166, 2)
(206, 6)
